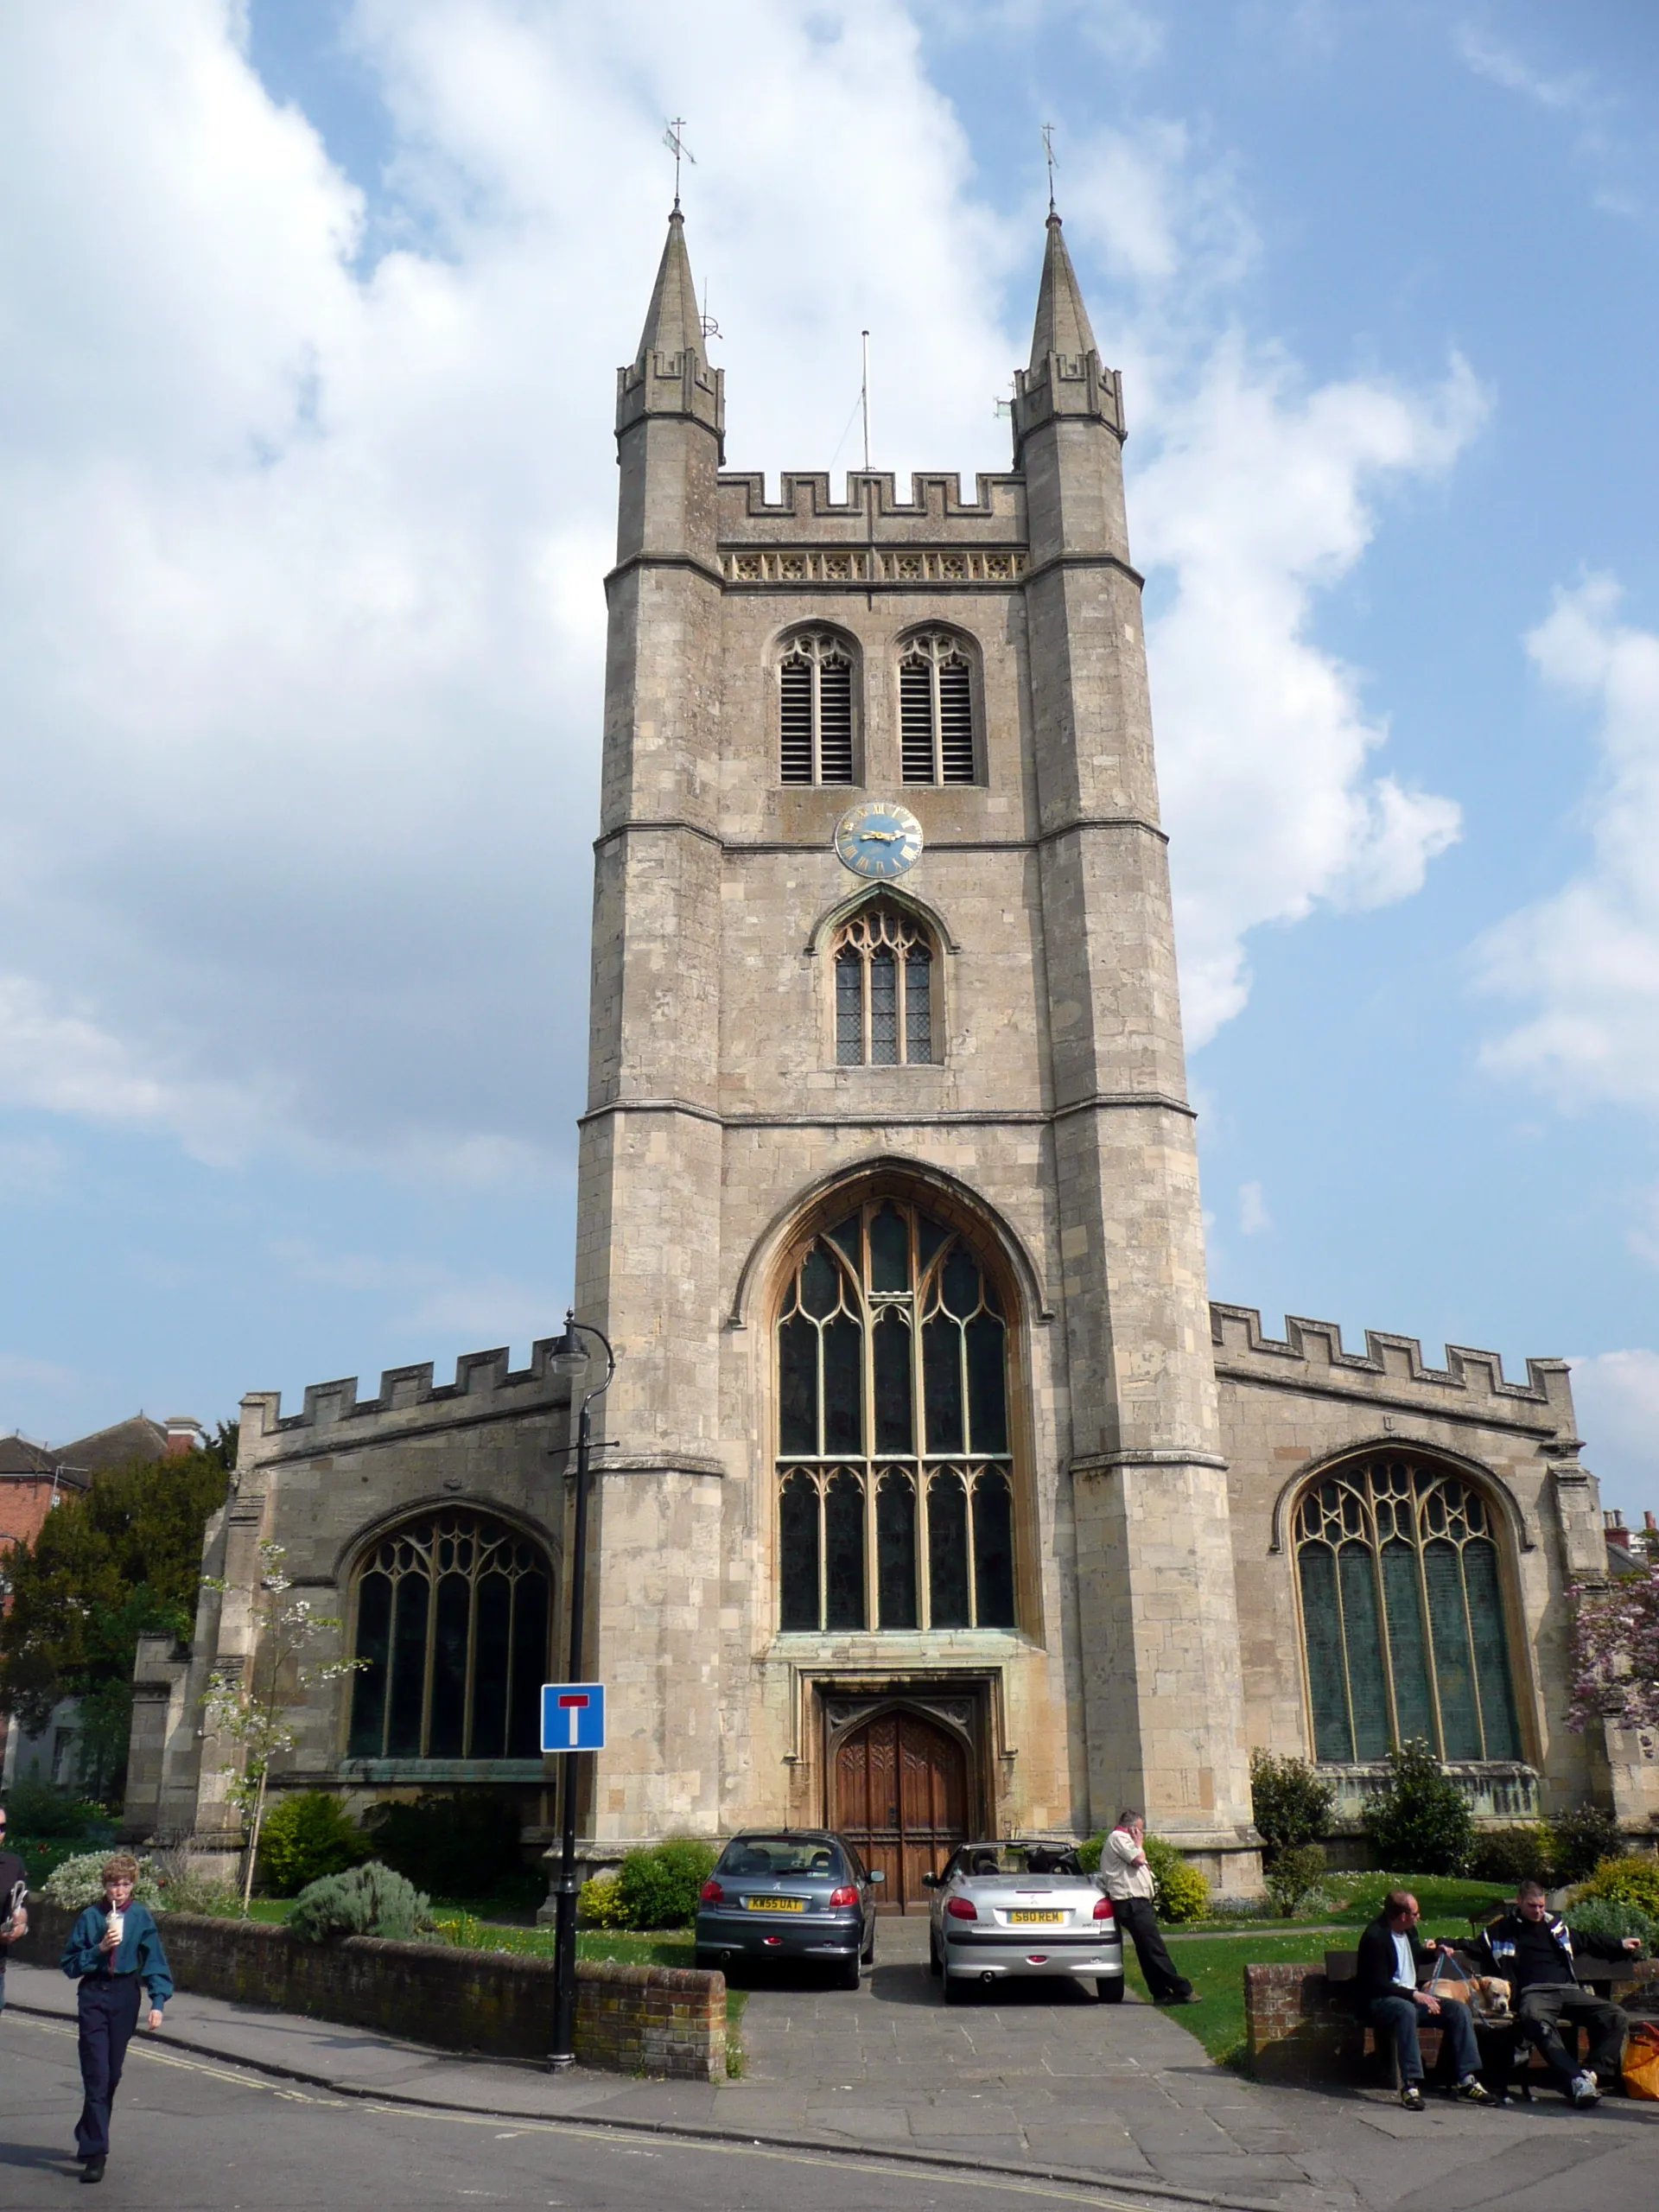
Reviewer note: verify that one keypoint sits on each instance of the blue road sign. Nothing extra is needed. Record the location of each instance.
(573, 1716)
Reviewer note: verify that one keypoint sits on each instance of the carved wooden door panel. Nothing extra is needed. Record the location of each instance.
(898, 1791)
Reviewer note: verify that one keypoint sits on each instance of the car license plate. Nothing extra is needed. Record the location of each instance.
(1037, 1919)
(776, 1904)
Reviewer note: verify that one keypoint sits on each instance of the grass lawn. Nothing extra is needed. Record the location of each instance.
(1216, 1970)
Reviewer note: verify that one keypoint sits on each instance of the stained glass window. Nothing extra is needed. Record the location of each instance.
(895, 1492)
(1402, 1614)
(453, 1619)
(884, 989)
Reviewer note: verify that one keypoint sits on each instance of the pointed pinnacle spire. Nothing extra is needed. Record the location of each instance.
(672, 322)
(1062, 319)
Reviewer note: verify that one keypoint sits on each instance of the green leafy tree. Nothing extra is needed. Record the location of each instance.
(119, 1561)
(1422, 1823)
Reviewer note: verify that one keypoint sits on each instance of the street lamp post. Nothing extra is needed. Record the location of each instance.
(570, 1357)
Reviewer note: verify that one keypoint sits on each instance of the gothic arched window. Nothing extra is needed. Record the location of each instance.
(883, 964)
(815, 686)
(895, 1495)
(452, 1614)
(1402, 1613)
(936, 711)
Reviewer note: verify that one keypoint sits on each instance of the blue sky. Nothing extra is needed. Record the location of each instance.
(308, 479)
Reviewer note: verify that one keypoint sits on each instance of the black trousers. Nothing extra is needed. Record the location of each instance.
(1539, 2012)
(108, 2006)
(1135, 1916)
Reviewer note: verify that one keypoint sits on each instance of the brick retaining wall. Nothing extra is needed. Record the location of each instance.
(653, 2020)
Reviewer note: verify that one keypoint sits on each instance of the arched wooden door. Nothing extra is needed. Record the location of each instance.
(899, 1791)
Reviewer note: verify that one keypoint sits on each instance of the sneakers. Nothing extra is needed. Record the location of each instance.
(1471, 2092)
(1412, 2097)
(1586, 2090)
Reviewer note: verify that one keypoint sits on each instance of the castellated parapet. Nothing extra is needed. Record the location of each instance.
(485, 1389)
(1392, 1371)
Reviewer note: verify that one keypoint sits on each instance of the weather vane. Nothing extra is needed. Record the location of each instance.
(1048, 149)
(676, 146)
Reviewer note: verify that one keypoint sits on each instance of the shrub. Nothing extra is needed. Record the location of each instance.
(1613, 1918)
(42, 1809)
(78, 1881)
(600, 1904)
(1580, 1840)
(1089, 1855)
(658, 1887)
(463, 1846)
(1514, 1855)
(1179, 1893)
(1422, 1820)
(201, 1893)
(305, 1837)
(1295, 1877)
(371, 1900)
(1628, 1881)
(1290, 1805)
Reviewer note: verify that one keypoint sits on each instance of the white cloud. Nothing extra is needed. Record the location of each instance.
(301, 562)
(1616, 1396)
(1586, 960)
(1500, 65)
(423, 1298)
(1262, 494)
(1252, 1215)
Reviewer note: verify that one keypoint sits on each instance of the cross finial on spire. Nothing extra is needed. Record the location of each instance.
(676, 146)
(1048, 149)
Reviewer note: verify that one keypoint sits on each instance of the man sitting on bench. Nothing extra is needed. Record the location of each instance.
(1532, 1948)
(1391, 1956)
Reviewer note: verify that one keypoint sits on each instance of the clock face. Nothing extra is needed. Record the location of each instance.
(878, 839)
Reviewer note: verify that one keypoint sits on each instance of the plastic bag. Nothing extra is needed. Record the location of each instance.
(1642, 2061)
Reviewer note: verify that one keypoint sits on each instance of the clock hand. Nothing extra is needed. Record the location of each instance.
(880, 837)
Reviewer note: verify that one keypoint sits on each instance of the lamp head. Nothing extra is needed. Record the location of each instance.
(569, 1354)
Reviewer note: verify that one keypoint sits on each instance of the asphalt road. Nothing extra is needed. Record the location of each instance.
(190, 2133)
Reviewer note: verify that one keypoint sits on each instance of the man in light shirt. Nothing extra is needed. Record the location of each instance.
(1127, 1881)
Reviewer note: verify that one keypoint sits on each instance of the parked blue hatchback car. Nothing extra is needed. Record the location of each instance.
(798, 1894)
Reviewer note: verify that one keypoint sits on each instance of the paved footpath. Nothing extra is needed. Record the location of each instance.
(1026, 2084)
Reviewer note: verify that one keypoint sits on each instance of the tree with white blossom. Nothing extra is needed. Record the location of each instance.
(252, 1704)
(1615, 1652)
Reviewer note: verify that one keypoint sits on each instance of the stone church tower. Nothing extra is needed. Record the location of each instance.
(934, 1498)
(967, 1019)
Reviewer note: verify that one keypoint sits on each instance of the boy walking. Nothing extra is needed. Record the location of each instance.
(113, 1948)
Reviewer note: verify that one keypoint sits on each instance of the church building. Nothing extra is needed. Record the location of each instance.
(934, 1497)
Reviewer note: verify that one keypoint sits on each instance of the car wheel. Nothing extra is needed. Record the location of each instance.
(867, 1954)
(935, 1963)
(956, 1990)
(708, 1961)
(1109, 1989)
(847, 1977)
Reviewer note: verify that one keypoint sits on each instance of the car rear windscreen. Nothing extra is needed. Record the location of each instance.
(781, 1854)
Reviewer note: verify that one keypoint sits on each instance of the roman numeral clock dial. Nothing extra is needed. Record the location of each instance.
(879, 840)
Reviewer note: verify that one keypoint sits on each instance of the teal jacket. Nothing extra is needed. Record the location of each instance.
(138, 1952)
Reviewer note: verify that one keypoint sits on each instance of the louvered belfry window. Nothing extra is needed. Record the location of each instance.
(1402, 1614)
(815, 694)
(936, 711)
(895, 1477)
(884, 989)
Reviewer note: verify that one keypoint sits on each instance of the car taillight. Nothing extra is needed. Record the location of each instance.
(713, 1894)
(960, 1909)
(1103, 1909)
(843, 1896)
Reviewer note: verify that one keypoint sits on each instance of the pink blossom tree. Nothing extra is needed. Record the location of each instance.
(1614, 1653)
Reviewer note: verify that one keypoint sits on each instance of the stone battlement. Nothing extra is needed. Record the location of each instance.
(747, 516)
(1389, 1367)
(485, 1386)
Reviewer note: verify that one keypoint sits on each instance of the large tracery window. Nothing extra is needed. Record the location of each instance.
(1402, 1614)
(452, 1625)
(895, 1498)
(884, 989)
(936, 711)
(815, 682)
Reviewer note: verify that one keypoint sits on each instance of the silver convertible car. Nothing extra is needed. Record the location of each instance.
(1005, 1909)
